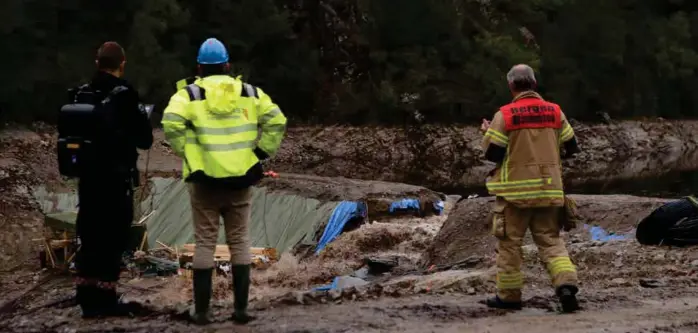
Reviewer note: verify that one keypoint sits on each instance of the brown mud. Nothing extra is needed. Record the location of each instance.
(625, 287)
(467, 230)
(450, 157)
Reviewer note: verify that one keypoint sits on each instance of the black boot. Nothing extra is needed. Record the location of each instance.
(241, 291)
(200, 313)
(87, 297)
(568, 298)
(496, 303)
(112, 306)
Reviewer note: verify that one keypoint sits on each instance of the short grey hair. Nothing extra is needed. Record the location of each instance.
(521, 77)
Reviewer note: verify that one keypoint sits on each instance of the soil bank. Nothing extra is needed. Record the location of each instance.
(450, 157)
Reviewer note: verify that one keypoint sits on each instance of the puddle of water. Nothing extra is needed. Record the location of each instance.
(672, 184)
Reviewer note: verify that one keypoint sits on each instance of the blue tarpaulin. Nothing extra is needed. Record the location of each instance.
(414, 205)
(404, 204)
(343, 213)
(599, 234)
(331, 286)
(341, 282)
(439, 207)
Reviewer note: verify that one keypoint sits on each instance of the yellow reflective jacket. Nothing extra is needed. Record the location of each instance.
(212, 124)
(532, 131)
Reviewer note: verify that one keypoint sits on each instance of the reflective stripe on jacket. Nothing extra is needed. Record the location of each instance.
(532, 130)
(213, 125)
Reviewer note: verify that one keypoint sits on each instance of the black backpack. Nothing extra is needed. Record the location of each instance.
(86, 127)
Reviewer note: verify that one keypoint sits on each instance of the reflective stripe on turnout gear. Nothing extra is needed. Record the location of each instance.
(558, 265)
(497, 137)
(566, 133)
(530, 129)
(510, 280)
(501, 187)
(524, 189)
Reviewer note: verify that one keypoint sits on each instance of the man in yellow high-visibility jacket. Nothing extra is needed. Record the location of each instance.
(212, 125)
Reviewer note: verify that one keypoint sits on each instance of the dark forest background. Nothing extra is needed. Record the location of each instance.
(367, 61)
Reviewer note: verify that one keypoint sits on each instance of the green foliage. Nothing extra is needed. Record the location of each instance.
(367, 61)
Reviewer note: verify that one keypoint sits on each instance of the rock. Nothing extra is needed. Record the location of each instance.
(576, 238)
(620, 282)
(652, 283)
(470, 291)
(530, 250)
(361, 273)
(334, 294)
(694, 263)
(299, 297)
(349, 281)
(618, 263)
(380, 265)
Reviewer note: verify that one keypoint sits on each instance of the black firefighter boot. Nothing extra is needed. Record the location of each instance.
(568, 298)
(497, 303)
(87, 297)
(241, 291)
(200, 313)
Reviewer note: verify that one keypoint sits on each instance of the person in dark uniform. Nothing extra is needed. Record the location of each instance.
(106, 186)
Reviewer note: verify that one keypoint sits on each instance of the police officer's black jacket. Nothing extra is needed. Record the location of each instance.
(130, 120)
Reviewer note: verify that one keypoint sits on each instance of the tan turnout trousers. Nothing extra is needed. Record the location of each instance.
(208, 206)
(510, 224)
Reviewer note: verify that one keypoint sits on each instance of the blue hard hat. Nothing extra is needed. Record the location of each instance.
(212, 52)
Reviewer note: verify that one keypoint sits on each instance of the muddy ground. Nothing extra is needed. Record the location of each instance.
(625, 287)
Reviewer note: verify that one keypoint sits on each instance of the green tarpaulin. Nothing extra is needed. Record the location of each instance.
(281, 221)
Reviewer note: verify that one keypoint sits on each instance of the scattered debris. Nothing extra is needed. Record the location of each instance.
(261, 257)
(599, 234)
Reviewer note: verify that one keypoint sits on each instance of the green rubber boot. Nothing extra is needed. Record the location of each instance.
(241, 291)
(200, 314)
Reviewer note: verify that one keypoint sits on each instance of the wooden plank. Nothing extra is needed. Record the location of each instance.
(49, 253)
(145, 237)
(61, 243)
(165, 246)
(222, 251)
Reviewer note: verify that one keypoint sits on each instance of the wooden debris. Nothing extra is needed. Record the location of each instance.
(261, 256)
(145, 237)
(144, 218)
(165, 246)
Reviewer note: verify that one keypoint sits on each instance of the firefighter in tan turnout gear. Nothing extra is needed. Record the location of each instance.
(524, 139)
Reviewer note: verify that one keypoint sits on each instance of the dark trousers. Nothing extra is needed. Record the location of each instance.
(104, 220)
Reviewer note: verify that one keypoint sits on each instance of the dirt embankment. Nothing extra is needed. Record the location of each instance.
(438, 157)
(27, 159)
(466, 232)
(451, 157)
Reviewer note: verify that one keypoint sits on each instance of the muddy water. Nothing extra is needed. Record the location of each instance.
(670, 184)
